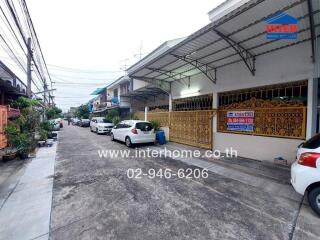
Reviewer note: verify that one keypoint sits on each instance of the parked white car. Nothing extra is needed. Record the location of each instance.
(55, 125)
(100, 125)
(75, 121)
(305, 172)
(133, 131)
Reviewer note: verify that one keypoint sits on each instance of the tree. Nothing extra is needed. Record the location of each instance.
(53, 113)
(23, 102)
(82, 112)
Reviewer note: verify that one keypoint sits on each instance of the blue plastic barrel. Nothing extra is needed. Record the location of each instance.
(160, 137)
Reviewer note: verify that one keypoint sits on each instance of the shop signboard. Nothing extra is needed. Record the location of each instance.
(240, 121)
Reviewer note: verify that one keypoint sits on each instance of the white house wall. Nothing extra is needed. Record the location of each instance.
(138, 84)
(289, 64)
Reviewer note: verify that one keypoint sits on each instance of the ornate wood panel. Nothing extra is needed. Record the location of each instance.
(272, 118)
(161, 117)
(188, 127)
(3, 124)
(192, 128)
(139, 115)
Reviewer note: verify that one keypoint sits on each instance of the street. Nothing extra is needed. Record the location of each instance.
(94, 199)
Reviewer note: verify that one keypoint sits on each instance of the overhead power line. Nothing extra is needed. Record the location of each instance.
(66, 77)
(12, 31)
(36, 37)
(69, 69)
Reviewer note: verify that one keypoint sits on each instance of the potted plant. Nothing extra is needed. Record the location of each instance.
(24, 144)
(160, 136)
(47, 127)
(9, 153)
(43, 136)
(18, 140)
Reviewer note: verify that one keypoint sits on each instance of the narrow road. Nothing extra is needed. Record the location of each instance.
(94, 199)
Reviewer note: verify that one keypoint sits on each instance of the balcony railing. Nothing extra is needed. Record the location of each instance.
(103, 105)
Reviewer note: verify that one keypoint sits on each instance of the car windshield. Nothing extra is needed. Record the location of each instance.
(144, 126)
(312, 143)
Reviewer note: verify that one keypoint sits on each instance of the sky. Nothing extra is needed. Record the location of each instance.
(87, 43)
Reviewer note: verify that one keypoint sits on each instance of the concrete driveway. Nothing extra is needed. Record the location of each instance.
(94, 199)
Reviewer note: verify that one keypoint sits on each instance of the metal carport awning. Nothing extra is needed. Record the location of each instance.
(145, 92)
(239, 36)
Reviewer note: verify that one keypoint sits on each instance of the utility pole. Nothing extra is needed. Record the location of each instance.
(29, 75)
(45, 92)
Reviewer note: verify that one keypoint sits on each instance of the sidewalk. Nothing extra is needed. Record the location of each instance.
(25, 212)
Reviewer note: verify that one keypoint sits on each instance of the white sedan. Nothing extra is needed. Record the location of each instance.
(305, 172)
(133, 131)
(100, 125)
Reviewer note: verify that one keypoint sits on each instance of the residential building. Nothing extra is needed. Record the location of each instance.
(237, 84)
(11, 87)
(147, 91)
(113, 97)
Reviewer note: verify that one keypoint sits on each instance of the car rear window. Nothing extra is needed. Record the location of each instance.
(144, 126)
(313, 142)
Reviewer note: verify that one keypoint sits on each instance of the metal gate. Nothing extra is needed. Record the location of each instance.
(192, 128)
(3, 124)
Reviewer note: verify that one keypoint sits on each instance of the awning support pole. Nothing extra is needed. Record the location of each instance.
(204, 68)
(247, 57)
(312, 28)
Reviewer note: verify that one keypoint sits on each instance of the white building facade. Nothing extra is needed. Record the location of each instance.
(233, 61)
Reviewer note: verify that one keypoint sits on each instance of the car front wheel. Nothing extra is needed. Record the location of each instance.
(111, 136)
(128, 142)
(314, 199)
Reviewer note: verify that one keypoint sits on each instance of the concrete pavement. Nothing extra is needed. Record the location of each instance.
(25, 211)
(94, 199)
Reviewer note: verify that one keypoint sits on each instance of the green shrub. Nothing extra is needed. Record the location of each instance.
(53, 113)
(47, 126)
(112, 114)
(115, 120)
(23, 102)
(155, 125)
(20, 140)
(43, 134)
(12, 130)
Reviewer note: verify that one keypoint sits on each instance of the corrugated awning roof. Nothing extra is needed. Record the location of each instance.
(98, 91)
(239, 36)
(120, 80)
(144, 92)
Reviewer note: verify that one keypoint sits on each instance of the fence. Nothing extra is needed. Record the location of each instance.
(271, 118)
(188, 127)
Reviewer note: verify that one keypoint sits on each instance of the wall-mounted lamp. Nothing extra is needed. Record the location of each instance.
(189, 92)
